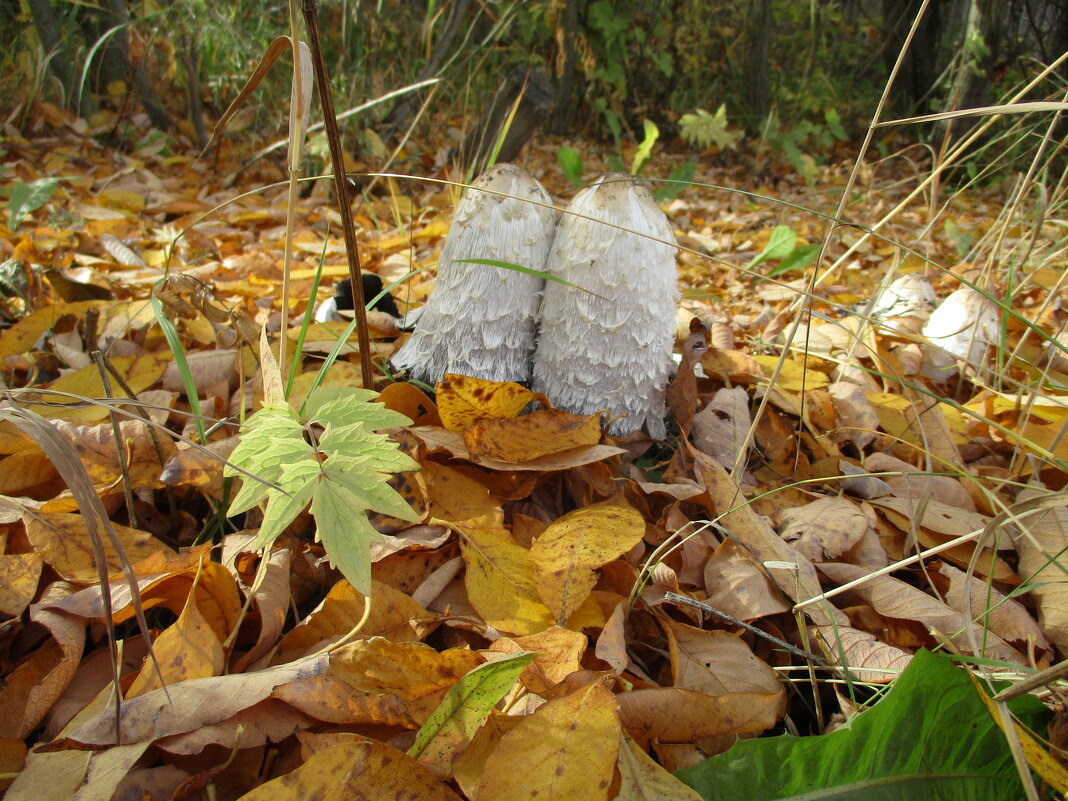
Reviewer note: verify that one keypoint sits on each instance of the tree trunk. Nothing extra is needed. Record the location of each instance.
(757, 80)
(534, 106)
(565, 89)
(62, 63)
(400, 112)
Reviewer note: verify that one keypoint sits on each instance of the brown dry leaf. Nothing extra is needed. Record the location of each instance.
(826, 528)
(359, 768)
(857, 421)
(643, 779)
(377, 681)
(1006, 617)
(199, 467)
(500, 581)
(719, 663)
(412, 402)
(792, 572)
(735, 366)
(681, 392)
(559, 654)
(677, 715)
(189, 649)
(31, 689)
(940, 524)
(267, 721)
(1042, 546)
(567, 749)
(720, 429)
(896, 599)
(567, 554)
(208, 368)
(19, 574)
(272, 598)
(540, 433)
(142, 456)
(187, 706)
(63, 541)
(913, 485)
(612, 642)
(12, 758)
(217, 595)
(737, 586)
(452, 442)
(394, 616)
(464, 400)
(862, 654)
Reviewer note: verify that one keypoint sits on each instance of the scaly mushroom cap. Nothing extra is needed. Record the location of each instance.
(614, 351)
(481, 320)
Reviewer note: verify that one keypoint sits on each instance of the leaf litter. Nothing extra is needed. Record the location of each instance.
(523, 639)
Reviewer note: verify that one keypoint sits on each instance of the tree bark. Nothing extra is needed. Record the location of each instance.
(565, 88)
(757, 80)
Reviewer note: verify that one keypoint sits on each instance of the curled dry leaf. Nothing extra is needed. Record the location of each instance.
(540, 433)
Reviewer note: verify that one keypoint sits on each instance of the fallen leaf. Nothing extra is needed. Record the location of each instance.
(567, 749)
(360, 768)
(567, 554)
(645, 780)
(540, 433)
(464, 400)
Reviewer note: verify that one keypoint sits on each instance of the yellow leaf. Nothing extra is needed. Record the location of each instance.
(533, 435)
(644, 780)
(795, 376)
(463, 400)
(187, 650)
(567, 554)
(360, 768)
(63, 542)
(566, 750)
(500, 581)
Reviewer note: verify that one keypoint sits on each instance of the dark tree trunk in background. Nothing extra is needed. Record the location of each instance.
(757, 78)
(396, 118)
(62, 63)
(534, 106)
(565, 91)
(920, 69)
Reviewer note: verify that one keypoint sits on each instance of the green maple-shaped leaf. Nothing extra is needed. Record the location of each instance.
(707, 129)
(332, 458)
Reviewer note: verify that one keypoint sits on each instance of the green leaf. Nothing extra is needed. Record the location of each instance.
(645, 149)
(780, 243)
(368, 487)
(834, 124)
(930, 737)
(571, 164)
(797, 259)
(345, 532)
(679, 179)
(26, 198)
(706, 129)
(343, 406)
(453, 724)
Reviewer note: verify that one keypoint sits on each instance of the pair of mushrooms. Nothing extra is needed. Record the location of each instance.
(603, 343)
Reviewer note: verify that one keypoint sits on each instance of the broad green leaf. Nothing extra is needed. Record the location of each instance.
(706, 129)
(273, 438)
(376, 451)
(26, 198)
(283, 507)
(368, 487)
(679, 179)
(325, 396)
(345, 532)
(571, 163)
(930, 737)
(451, 726)
(780, 243)
(797, 259)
